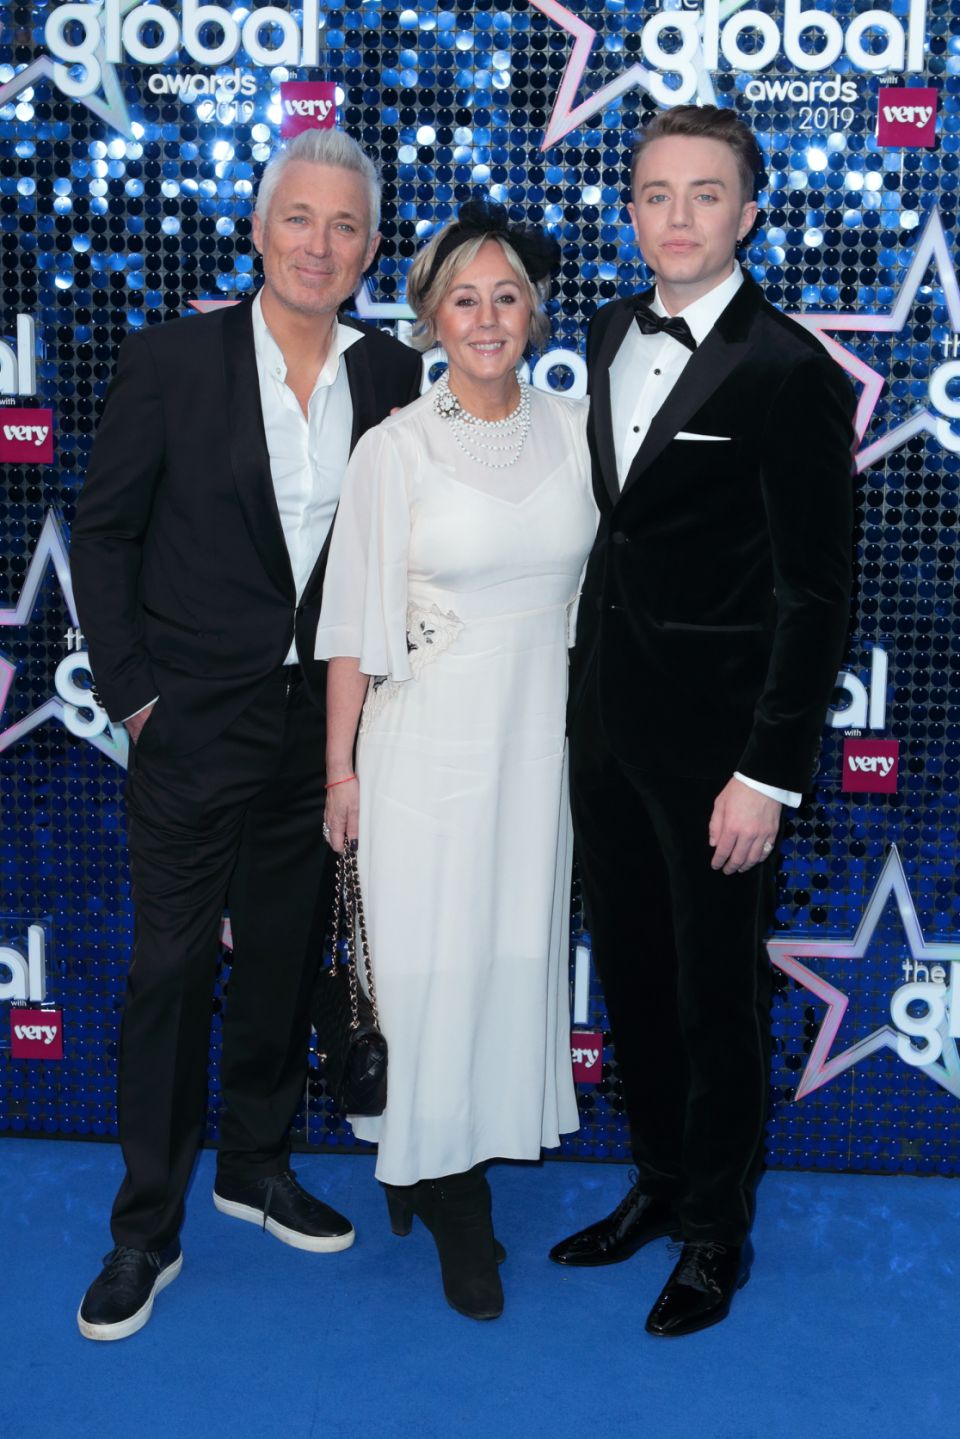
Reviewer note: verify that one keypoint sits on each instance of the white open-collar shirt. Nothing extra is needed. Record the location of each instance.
(660, 360)
(308, 452)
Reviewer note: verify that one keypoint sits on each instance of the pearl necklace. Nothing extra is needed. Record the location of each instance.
(474, 436)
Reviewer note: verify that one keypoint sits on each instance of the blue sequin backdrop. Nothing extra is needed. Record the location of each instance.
(119, 207)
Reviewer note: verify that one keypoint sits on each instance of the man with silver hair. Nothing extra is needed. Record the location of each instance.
(198, 555)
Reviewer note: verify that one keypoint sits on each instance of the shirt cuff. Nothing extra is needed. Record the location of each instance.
(782, 796)
(142, 708)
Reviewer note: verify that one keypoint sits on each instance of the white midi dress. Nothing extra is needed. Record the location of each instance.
(455, 585)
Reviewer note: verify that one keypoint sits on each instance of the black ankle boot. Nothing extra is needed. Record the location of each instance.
(456, 1210)
(401, 1209)
(400, 1206)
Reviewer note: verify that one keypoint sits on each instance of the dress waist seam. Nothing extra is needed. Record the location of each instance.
(468, 619)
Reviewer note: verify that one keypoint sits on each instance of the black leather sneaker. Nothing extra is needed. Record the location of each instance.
(120, 1299)
(284, 1209)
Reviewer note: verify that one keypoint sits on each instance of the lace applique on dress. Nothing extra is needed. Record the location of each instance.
(430, 630)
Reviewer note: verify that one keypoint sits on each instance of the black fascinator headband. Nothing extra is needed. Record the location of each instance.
(537, 251)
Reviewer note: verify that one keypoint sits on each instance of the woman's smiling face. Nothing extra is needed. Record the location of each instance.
(484, 319)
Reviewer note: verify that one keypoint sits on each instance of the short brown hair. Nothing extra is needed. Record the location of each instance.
(706, 122)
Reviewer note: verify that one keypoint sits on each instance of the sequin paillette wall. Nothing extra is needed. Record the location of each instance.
(125, 196)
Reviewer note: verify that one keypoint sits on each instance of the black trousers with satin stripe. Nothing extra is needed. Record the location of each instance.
(679, 949)
(238, 822)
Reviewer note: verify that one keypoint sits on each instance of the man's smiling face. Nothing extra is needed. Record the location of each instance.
(315, 240)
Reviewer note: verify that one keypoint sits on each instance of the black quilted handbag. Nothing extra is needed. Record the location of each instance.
(349, 1042)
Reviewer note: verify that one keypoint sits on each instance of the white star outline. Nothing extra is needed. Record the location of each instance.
(108, 106)
(785, 954)
(370, 309)
(566, 115)
(932, 249)
(51, 549)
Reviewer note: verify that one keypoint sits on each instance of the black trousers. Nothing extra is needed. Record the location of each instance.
(239, 822)
(679, 949)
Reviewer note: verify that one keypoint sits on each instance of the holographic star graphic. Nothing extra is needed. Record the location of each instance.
(567, 115)
(51, 549)
(823, 1066)
(370, 309)
(932, 248)
(207, 307)
(108, 104)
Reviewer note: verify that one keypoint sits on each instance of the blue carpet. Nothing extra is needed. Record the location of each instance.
(847, 1328)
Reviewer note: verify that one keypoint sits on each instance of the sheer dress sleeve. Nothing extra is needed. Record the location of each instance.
(364, 611)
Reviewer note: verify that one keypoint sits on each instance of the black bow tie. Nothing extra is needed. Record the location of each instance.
(675, 325)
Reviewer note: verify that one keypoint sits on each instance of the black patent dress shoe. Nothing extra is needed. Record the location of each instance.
(700, 1290)
(637, 1219)
(120, 1299)
(282, 1207)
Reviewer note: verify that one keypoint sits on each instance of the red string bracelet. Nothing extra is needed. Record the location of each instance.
(334, 782)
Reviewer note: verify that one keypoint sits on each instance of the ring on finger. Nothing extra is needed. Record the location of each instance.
(767, 846)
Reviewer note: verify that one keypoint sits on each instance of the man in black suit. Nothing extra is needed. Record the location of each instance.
(710, 629)
(198, 556)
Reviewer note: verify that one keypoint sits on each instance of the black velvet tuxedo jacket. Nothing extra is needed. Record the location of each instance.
(183, 581)
(716, 598)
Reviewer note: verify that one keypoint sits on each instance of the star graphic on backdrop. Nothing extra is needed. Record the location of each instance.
(51, 549)
(567, 115)
(932, 248)
(106, 101)
(370, 309)
(823, 1066)
(207, 307)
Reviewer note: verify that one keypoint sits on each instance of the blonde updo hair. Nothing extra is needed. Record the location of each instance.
(426, 288)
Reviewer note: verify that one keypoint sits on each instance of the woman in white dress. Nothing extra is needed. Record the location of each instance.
(464, 525)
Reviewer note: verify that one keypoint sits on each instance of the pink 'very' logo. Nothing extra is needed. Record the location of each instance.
(586, 1053)
(870, 766)
(26, 436)
(36, 1033)
(907, 118)
(307, 105)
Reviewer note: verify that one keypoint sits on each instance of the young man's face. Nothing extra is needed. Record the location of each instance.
(688, 213)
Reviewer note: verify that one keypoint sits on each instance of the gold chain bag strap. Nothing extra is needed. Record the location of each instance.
(350, 1043)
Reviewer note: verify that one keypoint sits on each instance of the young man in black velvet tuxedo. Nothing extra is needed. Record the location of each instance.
(198, 557)
(710, 629)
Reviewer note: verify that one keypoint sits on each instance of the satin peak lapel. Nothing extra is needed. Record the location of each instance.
(601, 413)
(709, 365)
(360, 380)
(248, 447)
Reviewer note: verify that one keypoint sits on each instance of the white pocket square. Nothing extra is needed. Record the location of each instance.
(688, 435)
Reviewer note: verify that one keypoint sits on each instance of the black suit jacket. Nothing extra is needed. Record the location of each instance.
(181, 572)
(716, 598)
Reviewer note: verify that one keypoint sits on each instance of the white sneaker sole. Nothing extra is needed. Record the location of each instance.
(316, 1243)
(125, 1327)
